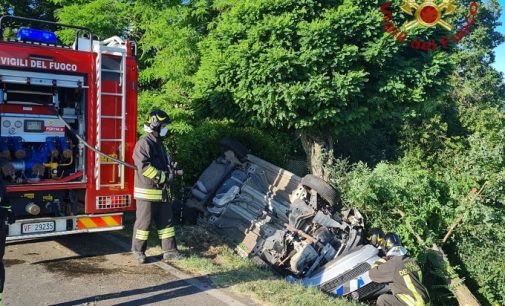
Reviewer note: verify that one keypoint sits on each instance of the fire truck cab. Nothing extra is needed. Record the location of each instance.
(52, 97)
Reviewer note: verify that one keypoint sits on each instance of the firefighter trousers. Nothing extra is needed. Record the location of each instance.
(162, 214)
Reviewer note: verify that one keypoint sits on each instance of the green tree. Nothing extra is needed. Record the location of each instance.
(432, 186)
(36, 9)
(460, 143)
(105, 18)
(476, 81)
(319, 68)
(168, 35)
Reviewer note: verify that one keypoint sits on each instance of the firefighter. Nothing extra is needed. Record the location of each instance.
(6, 216)
(402, 275)
(152, 178)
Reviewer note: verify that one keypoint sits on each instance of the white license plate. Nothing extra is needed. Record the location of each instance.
(38, 227)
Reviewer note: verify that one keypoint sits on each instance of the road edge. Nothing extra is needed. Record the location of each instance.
(190, 279)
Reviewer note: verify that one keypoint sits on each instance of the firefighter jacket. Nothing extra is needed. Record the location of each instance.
(403, 276)
(153, 169)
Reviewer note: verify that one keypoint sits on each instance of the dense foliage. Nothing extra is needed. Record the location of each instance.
(311, 65)
(196, 149)
(434, 196)
(39, 9)
(416, 131)
(314, 67)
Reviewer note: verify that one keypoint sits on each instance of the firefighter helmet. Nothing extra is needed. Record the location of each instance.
(375, 237)
(397, 251)
(156, 119)
(391, 240)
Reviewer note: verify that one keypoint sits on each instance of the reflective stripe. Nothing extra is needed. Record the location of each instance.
(407, 299)
(141, 235)
(98, 222)
(148, 191)
(150, 172)
(417, 300)
(166, 233)
(147, 197)
(86, 223)
(147, 194)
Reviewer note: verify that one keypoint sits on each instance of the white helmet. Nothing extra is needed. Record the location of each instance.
(397, 251)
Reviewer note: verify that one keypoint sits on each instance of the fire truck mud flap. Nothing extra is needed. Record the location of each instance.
(50, 227)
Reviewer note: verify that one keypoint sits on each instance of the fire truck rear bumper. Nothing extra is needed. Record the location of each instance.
(50, 227)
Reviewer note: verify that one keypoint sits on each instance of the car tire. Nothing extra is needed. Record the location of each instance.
(323, 189)
(235, 146)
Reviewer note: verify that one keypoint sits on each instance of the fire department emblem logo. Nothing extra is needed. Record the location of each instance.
(429, 13)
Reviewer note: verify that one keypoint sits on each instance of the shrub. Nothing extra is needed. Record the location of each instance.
(197, 148)
(432, 200)
(380, 193)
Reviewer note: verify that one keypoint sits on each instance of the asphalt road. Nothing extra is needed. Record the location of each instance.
(96, 269)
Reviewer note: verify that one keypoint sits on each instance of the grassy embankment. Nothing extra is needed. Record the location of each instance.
(207, 254)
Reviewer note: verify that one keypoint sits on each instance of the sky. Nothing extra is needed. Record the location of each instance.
(500, 50)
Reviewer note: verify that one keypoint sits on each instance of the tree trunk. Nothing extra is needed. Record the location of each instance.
(319, 150)
(463, 295)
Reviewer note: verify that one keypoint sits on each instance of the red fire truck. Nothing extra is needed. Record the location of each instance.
(68, 118)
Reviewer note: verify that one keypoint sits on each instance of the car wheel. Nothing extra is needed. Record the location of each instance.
(235, 146)
(323, 189)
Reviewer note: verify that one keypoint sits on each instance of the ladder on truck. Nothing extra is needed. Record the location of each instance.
(117, 47)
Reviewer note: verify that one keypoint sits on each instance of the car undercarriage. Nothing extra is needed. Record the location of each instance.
(293, 224)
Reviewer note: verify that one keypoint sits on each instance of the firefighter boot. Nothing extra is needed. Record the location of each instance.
(141, 257)
(170, 250)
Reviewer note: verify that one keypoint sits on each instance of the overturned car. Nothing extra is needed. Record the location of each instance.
(293, 224)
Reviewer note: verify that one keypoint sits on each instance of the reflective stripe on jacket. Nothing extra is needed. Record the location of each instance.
(404, 278)
(152, 164)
